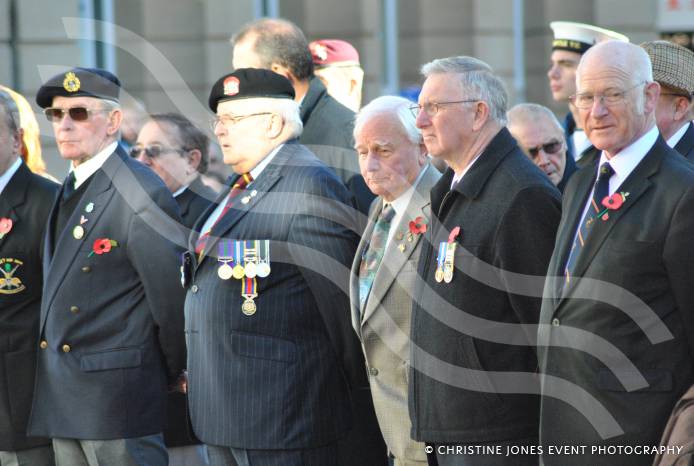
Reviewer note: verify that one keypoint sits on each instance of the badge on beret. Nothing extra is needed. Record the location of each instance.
(71, 83)
(320, 50)
(231, 85)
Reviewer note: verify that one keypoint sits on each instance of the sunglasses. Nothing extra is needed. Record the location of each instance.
(552, 147)
(55, 114)
(153, 152)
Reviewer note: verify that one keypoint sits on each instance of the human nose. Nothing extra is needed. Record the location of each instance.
(552, 72)
(219, 129)
(598, 107)
(422, 119)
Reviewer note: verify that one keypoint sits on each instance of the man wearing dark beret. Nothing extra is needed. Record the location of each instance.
(271, 352)
(111, 326)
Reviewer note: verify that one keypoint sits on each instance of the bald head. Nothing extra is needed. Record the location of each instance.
(615, 95)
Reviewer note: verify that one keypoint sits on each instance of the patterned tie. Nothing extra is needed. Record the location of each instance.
(602, 189)
(374, 252)
(241, 183)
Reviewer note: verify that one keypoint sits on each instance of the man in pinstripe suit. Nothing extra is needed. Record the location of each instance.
(396, 168)
(272, 354)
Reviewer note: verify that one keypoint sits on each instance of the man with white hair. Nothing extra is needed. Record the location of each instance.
(396, 167)
(541, 137)
(271, 352)
(494, 217)
(617, 333)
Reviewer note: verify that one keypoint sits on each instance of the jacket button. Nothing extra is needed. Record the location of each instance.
(74, 309)
(555, 322)
(43, 344)
(373, 371)
(66, 348)
(194, 288)
(86, 269)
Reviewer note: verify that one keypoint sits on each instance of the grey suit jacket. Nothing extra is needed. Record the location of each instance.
(111, 325)
(626, 363)
(383, 324)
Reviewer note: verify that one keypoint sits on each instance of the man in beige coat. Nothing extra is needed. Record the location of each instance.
(396, 168)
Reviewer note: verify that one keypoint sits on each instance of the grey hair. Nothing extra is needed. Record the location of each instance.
(398, 107)
(10, 111)
(529, 113)
(288, 109)
(477, 80)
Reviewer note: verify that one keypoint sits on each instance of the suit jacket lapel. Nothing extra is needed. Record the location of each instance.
(394, 259)
(99, 193)
(13, 196)
(636, 184)
(357, 308)
(685, 145)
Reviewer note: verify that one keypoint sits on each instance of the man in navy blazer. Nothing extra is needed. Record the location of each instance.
(111, 326)
(272, 354)
(617, 331)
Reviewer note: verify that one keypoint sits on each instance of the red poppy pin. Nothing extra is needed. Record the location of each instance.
(454, 234)
(613, 202)
(102, 246)
(418, 226)
(5, 226)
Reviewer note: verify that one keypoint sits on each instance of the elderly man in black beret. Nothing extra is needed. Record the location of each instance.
(271, 352)
(111, 326)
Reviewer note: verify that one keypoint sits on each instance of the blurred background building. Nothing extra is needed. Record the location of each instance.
(169, 52)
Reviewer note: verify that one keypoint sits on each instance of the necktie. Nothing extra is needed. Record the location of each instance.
(601, 189)
(241, 183)
(374, 253)
(69, 186)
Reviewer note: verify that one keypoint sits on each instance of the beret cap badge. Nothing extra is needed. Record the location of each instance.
(71, 83)
(231, 85)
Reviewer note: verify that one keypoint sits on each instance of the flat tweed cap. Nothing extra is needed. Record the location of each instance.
(673, 65)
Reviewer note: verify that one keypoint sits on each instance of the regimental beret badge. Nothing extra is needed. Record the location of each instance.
(231, 85)
(71, 83)
(320, 50)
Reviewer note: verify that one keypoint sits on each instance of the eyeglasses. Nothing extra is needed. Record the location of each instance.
(229, 120)
(55, 114)
(610, 98)
(552, 147)
(432, 108)
(153, 152)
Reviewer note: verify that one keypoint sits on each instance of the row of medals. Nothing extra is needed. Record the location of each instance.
(444, 273)
(252, 267)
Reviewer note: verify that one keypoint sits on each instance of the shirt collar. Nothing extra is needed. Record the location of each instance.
(457, 178)
(86, 169)
(255, 173)
(180, 190)
(628, 158)
(9, 173)
(675, 138)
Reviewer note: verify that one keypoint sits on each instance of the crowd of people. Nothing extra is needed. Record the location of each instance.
(446, 282)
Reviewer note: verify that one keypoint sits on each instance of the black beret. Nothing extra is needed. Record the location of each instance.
(246, 83)
(79, 82)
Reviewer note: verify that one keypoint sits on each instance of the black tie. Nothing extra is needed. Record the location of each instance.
(601, 190)
(69, 186)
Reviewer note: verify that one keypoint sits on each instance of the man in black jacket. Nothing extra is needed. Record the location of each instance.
(494, 217)
(25, 200)
(280, 46)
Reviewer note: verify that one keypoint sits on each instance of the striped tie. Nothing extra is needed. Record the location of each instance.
(374, 253)
(243, 181)
(600, 191)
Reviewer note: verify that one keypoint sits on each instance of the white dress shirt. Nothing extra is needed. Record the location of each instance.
(9, 173)
(86, 169)
(675, 138)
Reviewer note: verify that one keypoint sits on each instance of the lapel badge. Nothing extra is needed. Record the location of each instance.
(399, 236)
(102, 246)
(83, 220)
(401, 247)
(245, 199)
(5, 226)
(9, 283)
(254, 193)
(89, 207)
(78, 232)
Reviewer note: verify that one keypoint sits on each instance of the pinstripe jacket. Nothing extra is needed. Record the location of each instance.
(278, 379)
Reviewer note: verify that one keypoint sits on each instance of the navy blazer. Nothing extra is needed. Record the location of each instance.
(26, 200)
(111, 325)
(619, 338)
(278, 379)
(685, 146)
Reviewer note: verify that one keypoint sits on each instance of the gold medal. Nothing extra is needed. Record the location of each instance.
(263, 270)
(251, 270)
(225, 272)
(238, 272)
(248, 307)
(78, 232)
(438, 276)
